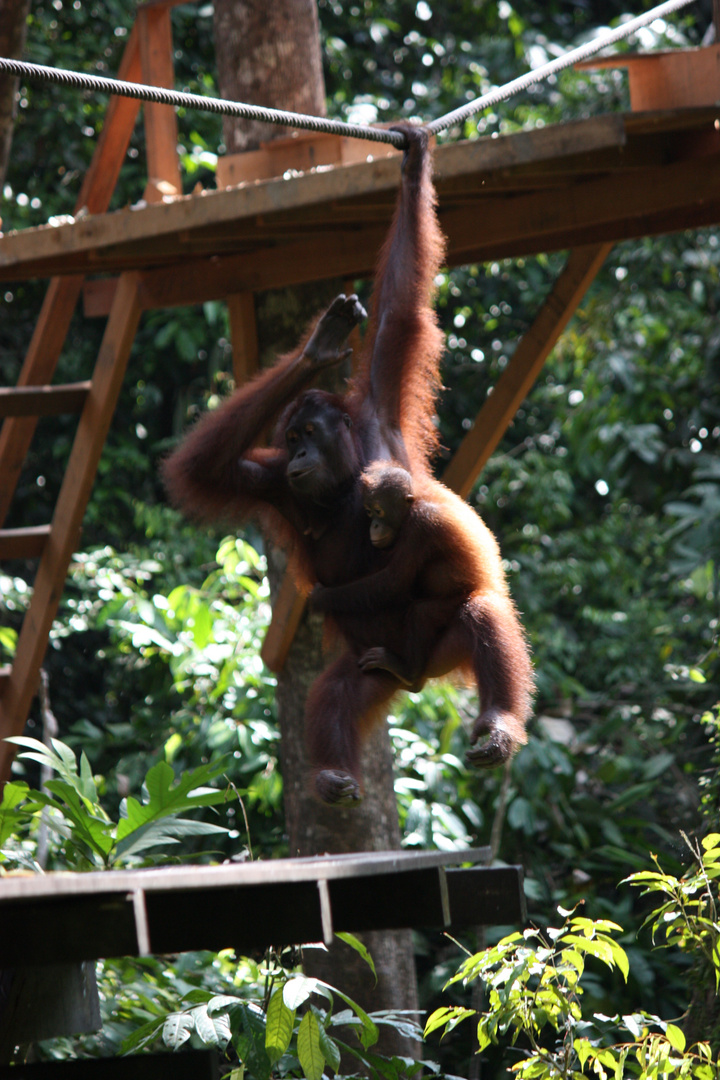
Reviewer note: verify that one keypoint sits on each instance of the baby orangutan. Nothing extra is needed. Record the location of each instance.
(443, 570)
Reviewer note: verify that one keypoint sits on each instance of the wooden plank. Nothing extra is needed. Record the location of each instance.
(675, 78)
(69, 510)
(228, 875)
(678, 195)
(43, 400)
(243, 335)
(499, 228)
(287, 612)
(161, 136)
(61, 297)
(25, 543)
(268, 198)
(244, 916)
(300, 151)
(527, 361)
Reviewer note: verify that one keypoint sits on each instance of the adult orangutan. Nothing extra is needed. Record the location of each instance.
(304, 488)
(444, 571)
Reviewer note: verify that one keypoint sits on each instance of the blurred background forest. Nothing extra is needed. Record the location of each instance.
(605, 496)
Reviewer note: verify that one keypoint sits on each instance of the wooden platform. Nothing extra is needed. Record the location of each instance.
(598, 180)
(61, 917)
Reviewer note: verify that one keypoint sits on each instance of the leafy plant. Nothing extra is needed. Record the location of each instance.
(533, 982)
(70, 806)
(290, 1034)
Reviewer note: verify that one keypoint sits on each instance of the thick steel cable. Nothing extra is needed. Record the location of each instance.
(162, 96)
(494, 97)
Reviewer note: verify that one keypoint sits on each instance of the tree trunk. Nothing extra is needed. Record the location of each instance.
(13, 25)
(269, 54)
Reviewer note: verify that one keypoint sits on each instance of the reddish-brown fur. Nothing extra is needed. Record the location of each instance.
(220, 470)
(444, 574)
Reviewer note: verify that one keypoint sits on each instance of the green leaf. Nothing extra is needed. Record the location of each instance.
(368, 1033)
(712, 840)
(158, 781)
(582, 1048)
(212, 1030)
(330, 1049)
(676, 1038)
(297, 990)
(88, 789)
(312, 1059)
(279, 1027)
(14, 795)
(449, 1016)
(177, 1029)
(358, 946)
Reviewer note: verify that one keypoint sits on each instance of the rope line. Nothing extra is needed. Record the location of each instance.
(223, 107)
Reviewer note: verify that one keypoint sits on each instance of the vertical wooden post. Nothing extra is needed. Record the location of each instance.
(156, 55)
(243, 335)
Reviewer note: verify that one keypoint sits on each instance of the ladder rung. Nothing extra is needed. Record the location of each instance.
(23, 543)
(43, 400)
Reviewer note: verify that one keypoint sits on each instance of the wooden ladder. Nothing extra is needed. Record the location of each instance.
(147, 58)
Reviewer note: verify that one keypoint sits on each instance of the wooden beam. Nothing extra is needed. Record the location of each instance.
(25, 543)
(43, 400)
(69, 511)
(366, 180)
(668, 79)
(679, 195)
(161, 137)
(287, 612)
(101, 177)
(243, 335)
(526, 364)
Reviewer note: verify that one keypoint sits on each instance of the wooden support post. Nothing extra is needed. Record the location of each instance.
(526, 364)
(287, 613)
(69, 511)
(156, 52)
(243, 335)
(61, 297)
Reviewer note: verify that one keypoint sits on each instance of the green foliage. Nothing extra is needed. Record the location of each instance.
(534, 992)
(604, 494)
(70, 807)
(291, 1035)
(688, 918)
(533, 984)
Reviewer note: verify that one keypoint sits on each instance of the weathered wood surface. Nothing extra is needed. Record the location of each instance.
(597, 180)
(69, 917)
(43, 400)
(261, 871)
(673, 78)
